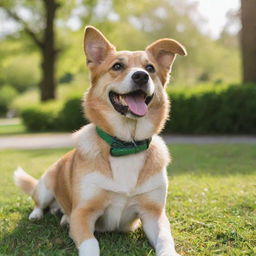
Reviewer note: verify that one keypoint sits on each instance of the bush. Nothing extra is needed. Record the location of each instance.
(7, 94)
(216, 110)
(41, 117)
(71, 115)
(54, 116)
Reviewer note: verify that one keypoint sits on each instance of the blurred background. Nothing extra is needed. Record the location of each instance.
(43, 73)
(211, 132)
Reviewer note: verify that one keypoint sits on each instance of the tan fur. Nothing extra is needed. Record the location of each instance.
(61, 180)
(149, 206)
(83, 218)
(66, 180)
(164, 52)
(157, 157)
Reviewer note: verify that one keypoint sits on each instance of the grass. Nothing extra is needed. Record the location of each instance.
(211, 206)
(11, 126)
(19, 129)
(12, 129)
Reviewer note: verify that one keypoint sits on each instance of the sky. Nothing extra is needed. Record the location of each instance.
(214, 11)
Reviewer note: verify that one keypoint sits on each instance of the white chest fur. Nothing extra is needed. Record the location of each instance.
(125, 171)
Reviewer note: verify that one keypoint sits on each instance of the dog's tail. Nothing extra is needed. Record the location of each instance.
(24, 181)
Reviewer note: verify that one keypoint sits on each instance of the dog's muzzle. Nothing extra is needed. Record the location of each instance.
(140, 78)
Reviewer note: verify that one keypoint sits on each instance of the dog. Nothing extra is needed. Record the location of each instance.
(115, 178)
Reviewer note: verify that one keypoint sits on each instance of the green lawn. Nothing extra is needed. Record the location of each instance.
(12, 129)
(211, 205)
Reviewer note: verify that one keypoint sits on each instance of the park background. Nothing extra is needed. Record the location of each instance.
(43, 76)
(43, 73)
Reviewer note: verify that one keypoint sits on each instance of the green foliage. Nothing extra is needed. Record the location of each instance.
(214, 109)
(21, 72)
(24, 100)
(71, 115)
(66, 78)
(41, 117)
(130, 25)
(7, 94)
(207, 58)
(64, 92)
(54, 116)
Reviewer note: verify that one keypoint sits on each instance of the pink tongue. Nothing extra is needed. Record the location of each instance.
(136, 104)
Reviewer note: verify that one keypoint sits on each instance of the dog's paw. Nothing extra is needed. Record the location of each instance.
(169, 254)
(54, 208)
(64, 220)
(174, 254)
(36, 214)
(89, 247)
(54, 211)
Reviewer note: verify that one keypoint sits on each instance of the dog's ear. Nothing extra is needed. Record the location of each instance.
(164, 52)
(96, 46)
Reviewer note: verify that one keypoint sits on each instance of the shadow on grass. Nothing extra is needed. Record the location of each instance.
(38, 238)
(47, 237)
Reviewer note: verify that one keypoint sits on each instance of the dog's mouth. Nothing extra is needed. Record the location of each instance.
(135, 102)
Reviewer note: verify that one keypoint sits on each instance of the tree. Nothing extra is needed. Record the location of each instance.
(248, 40)
(40, 29)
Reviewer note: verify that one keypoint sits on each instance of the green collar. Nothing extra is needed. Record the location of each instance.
(123, 148)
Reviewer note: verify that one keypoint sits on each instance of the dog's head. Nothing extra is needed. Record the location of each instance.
(128, 88)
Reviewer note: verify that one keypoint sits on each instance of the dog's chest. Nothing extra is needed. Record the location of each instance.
(125, 171)
(122, 187)
(122, 210)
(119, 213)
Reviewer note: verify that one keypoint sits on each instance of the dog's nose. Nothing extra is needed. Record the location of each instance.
(140, 78)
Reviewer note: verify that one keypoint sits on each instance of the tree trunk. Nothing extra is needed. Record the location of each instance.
(48, 52)
(48, 84)
(248, 40)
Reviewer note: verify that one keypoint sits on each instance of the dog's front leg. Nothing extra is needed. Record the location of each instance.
(155, 222)
(82, 222)
(157, 229)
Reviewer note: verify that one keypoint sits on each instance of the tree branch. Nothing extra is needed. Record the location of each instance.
(31, 33)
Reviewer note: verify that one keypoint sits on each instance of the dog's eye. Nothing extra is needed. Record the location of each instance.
(117, 66)
(150, 68)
